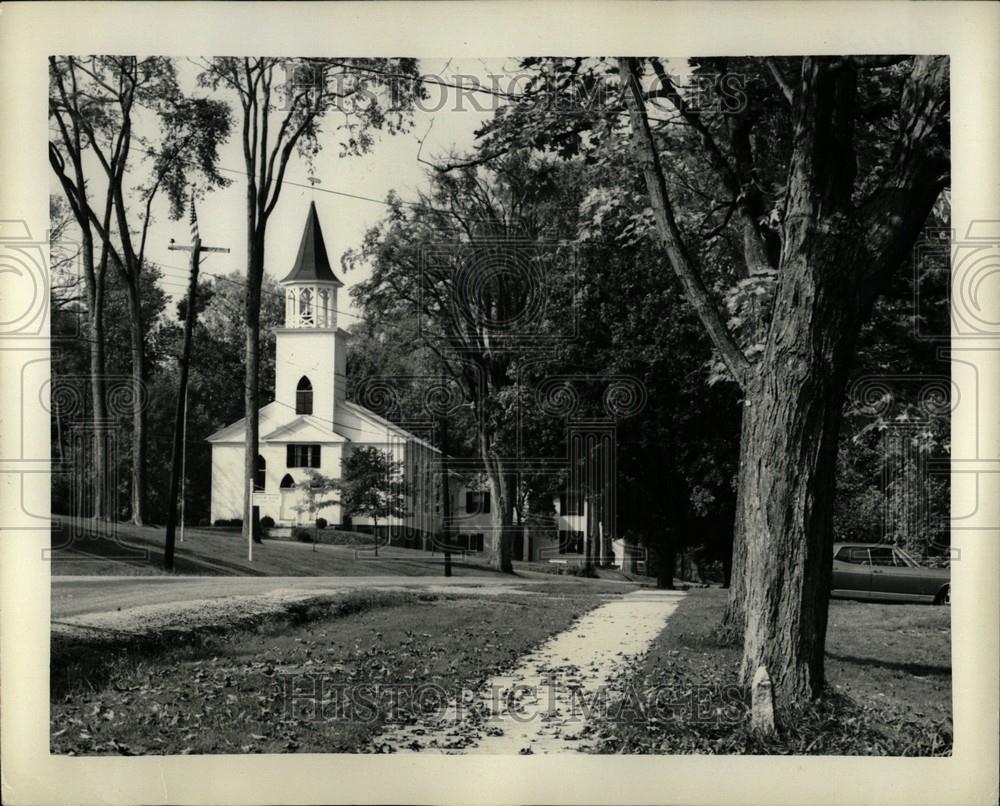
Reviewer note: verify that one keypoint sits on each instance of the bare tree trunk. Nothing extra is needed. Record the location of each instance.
(94, 281)
(98, 393)
(138, 404)
(502, 507)
(589, 533)
(501, 489)
(251, 385)
(667, 561)
(502, 520)
(785, 516)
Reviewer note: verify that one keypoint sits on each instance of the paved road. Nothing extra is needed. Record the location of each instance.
(79, 595)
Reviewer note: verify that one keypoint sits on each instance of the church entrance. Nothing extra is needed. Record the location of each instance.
(289, 499)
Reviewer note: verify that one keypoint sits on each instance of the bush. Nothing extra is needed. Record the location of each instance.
(229, 522)
(320, 523)
(267, 522)
(302, 534)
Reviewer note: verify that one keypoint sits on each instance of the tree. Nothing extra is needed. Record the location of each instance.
(839, 241)
(316, 490)
(96, 105)
(372, 485)
(69, 146)
(277, 120)
(793, 200)
(445, 263)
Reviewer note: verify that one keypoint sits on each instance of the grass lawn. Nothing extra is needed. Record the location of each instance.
(225, 692)
(138, 551)
(217, 551)
(888, 674)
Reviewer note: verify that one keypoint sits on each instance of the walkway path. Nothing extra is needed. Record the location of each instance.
(541, 705)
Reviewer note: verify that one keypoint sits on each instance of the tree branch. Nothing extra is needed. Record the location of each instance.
(779, 79)
(670, 234)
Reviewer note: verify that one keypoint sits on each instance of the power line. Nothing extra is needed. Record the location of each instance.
(224, 278)
(285, 181)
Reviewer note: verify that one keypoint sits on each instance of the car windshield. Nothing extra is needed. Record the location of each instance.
(881, 556)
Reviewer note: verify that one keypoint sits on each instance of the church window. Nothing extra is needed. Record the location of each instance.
(571, 503)
(260, 474)
(303, 456)
(477, 502)
(305, 307)
(287, 482)
(304, 396)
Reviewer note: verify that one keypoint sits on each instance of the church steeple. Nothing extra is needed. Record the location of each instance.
(312, 263)
(311, 352)
(311, 286)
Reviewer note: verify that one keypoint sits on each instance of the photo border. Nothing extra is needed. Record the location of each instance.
(30, 32)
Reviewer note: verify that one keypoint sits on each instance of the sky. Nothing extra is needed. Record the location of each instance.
(391, 164)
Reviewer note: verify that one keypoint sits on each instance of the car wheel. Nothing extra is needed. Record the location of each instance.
(944, 596)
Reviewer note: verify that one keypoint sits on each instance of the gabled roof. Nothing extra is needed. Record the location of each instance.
(230, 433)
(308, 428)
(312, 262)
(372, 417)
(304, 428)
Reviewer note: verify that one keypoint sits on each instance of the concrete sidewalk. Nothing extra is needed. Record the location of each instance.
(544, 704)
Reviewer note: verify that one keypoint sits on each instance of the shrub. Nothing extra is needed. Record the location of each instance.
(320, 523)
(229, 522)
(302, 534)
(267, 522)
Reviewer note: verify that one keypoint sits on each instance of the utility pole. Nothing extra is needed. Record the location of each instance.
(179, 424)
(446, 498)
(184, 450)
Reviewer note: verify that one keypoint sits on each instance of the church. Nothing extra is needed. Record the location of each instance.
(310, 424)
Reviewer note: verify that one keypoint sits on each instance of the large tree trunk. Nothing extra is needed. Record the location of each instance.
(793, 398)
(251, 384)
(500, 482)
(501, 517)
(785, 515)
(138, 403)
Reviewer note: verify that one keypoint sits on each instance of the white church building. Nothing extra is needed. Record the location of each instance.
(310, 423)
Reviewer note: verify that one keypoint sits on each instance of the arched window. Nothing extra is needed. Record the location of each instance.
(287, 482)
(260, 475)
(304, 396)
(305, 306)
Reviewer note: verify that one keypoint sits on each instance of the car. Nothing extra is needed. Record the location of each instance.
(886, 573)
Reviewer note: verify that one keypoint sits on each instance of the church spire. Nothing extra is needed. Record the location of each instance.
(312, 263)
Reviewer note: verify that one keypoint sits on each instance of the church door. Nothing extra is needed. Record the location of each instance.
(289, 498)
